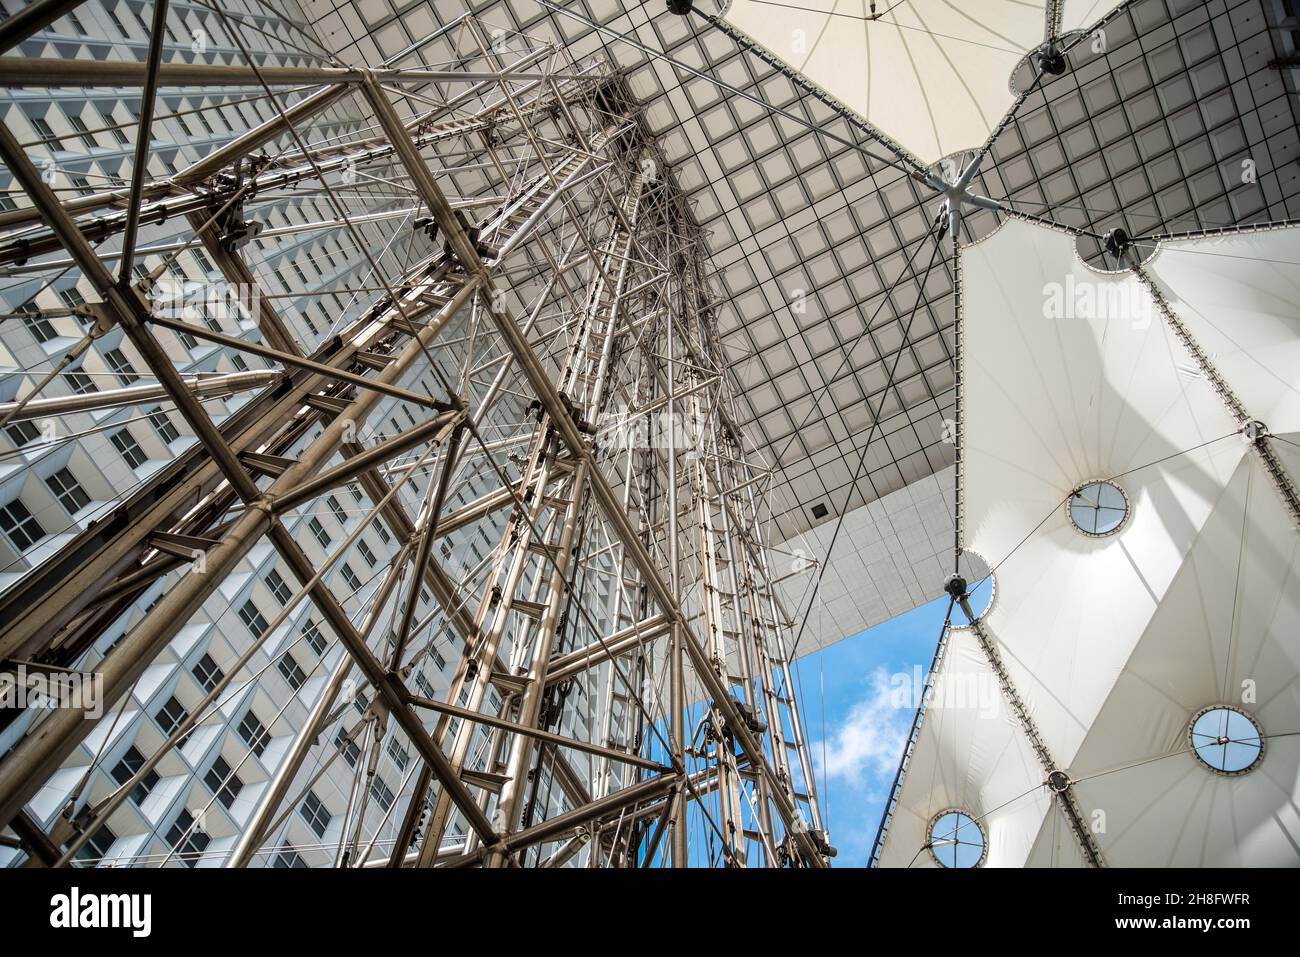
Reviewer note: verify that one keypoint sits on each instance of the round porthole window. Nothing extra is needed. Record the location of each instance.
(957, 839)
(1098, 508)
(1226, 740)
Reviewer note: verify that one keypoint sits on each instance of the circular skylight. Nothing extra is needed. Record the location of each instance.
(1098, 508)
(957, 840)
(1226, 739)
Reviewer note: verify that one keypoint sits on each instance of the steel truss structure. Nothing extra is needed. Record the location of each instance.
(553, 342)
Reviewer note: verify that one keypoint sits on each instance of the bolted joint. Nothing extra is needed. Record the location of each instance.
(1252, 430)
(1117, 242)
(1058, 782)
(1052, 61)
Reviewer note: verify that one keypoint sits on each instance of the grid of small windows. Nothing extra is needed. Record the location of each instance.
(187, 840)
(315, 813)
(130, 449)
(68, 492)
(223, 781)
(125, 769)
(292, 671)
(207, 672)
(254, 733)
(20, 525)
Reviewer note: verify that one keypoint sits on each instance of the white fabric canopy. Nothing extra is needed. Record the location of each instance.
(973, 756)
(931, 74)
(1115, 642)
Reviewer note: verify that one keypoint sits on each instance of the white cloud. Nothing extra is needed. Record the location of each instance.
(871, 738)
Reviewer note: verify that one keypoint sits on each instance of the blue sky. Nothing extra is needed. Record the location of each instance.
(858, 697)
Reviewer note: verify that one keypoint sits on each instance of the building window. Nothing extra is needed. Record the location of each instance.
(163, 425)
(113, 126)
(292, 671)
(23, 433)
(366, 553)
(254, 733)
(223, 781)
(36, 323)
(337, 509)
(187, 840)
(253, 619)
(98, 846)
(132, 761)
(318, 530)
(130, 449)
(46, 132)
(288, 858)
(277, 587)
(311, 631)
(424, 687)
(72, 298)
(347, 747)
(20, 525)
(83, 132)
(80, 383)
(957, 839)
(117, 361)
(350, 577)
(401, 757)
(171, 715)
(381, 793)
(65, 488)
(315, 814)
(207, 672)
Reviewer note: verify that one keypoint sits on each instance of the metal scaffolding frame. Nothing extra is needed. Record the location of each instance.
(630, 553)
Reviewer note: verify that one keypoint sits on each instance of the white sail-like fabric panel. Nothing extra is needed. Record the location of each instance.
(1058, 392)
(931, 74)
(1115, 642)
(1229, 624)
(972, 755)
(1239, 296)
